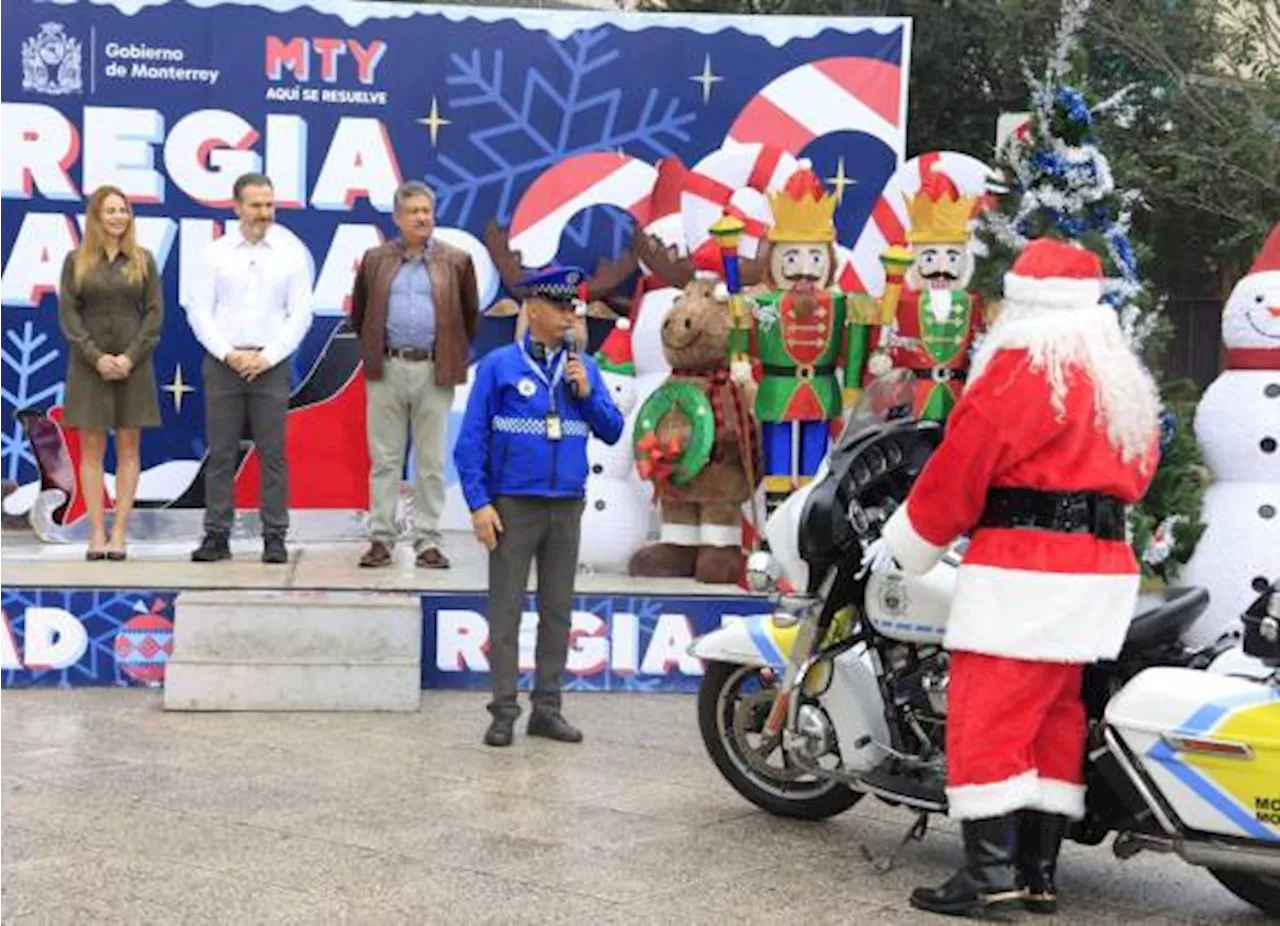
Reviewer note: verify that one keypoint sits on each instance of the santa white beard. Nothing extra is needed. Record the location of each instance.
(1090, 340)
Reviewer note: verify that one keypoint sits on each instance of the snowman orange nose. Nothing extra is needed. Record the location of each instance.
(1275, 311)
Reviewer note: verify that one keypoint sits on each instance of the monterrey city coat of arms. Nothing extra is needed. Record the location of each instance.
(51, 62)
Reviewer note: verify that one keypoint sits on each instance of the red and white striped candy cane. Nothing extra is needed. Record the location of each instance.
(862, 272)
(738, 177)
(832, 95)
(562, 191)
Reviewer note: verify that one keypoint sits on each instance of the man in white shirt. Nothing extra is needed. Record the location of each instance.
(250, 310)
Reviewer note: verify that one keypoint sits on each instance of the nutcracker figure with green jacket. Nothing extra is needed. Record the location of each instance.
(931, 321)
(808, 338)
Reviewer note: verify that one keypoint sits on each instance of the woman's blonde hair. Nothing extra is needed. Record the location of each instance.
(93, 248)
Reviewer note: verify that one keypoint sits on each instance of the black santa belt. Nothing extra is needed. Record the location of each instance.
(1103, 516)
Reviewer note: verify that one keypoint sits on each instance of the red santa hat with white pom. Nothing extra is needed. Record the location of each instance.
(1055, 274)
(614, 355)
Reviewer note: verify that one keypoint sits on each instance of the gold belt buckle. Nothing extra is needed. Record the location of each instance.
(805, 371)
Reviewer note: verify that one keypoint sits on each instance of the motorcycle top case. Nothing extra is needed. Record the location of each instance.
(1210, 744)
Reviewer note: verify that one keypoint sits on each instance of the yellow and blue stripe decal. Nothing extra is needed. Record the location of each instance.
(771, 641)
(1240, 789)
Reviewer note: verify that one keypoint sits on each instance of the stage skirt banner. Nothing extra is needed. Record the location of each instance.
(74, 637)
(622, 643)
(69, 638)
(550, 123)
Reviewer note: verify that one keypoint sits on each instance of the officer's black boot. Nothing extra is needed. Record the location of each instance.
(988, 881)
(1039, 840)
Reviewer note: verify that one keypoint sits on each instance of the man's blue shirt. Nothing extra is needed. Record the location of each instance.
(411, 307)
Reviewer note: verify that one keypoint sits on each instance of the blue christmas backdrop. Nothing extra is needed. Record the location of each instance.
(478, 106)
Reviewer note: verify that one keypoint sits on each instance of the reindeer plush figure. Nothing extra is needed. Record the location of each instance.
(696, 437)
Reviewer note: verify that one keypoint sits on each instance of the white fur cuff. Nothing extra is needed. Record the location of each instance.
(916, 554)
(977, 802)
(1060, 797)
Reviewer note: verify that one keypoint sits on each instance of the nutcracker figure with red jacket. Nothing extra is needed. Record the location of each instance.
(931, 322)
(1056, 433)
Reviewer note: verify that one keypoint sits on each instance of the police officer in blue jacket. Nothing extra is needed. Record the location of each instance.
(522, 461)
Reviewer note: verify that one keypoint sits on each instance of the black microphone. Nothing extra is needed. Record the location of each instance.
(569, 342)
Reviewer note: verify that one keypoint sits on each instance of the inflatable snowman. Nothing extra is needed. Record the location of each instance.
(615, 521)
(1238, 429)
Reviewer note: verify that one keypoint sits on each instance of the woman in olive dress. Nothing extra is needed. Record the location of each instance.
(110, 308)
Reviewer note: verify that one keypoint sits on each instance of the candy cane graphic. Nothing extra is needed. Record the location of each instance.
(601, 178)
(862, 272)
(718, 182)
(832, 95)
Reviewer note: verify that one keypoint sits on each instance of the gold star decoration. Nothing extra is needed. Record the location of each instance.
(708, 78)
(840, 180)
(177, 388)
(433, 120)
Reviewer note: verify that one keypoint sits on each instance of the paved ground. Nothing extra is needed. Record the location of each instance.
(114, 811)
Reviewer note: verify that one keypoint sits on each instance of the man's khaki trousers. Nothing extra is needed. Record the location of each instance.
(407, 396)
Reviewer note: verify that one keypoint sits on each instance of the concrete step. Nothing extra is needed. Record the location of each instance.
(249, 649)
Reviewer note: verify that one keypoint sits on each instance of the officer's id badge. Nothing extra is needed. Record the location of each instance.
(526, 387)
(554, 430)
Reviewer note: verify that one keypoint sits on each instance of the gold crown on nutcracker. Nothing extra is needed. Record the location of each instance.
(938, 213)
(803, 210)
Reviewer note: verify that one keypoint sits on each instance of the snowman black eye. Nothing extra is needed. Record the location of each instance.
(1259, 299)
(597, 469)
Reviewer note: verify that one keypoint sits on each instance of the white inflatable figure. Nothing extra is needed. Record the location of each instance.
(1238, 428)
(646, 340)
(615, 521)
(614, 525)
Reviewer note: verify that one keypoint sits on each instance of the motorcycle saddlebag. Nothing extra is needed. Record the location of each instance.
(1208, 744)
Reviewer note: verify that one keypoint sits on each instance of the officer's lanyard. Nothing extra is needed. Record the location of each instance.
(554, 430)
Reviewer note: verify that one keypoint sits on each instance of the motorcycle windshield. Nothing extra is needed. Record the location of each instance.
(888, 399)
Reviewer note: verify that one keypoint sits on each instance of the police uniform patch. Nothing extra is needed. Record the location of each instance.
(526, 387)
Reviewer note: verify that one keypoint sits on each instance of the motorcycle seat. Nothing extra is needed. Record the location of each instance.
(1163, 616)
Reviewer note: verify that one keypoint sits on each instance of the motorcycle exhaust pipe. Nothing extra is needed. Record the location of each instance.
(1209, 853)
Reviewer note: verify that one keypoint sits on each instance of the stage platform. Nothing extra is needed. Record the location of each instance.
(30, 563)
(74, 623)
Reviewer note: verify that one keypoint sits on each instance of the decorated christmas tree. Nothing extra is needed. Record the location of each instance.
(1053, 180)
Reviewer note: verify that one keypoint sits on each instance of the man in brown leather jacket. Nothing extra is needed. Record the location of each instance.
(414, 307)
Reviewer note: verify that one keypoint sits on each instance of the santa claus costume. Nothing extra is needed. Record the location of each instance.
(1057, 431)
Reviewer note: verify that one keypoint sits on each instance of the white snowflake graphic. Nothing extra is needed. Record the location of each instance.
(32, 379)
(540, 120)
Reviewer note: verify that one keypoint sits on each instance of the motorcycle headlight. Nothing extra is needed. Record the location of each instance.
(763, 572)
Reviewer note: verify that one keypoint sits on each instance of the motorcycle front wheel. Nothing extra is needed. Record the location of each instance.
(1263, 891)
(733, 702)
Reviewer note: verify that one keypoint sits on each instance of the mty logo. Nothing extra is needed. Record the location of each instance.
(298, 54)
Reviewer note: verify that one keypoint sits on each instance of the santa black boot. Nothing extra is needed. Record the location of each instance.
(1039, 841)
(988, 882)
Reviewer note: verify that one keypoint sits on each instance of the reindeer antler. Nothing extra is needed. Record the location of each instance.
(510, 266)
(666, 263)
(752, 270)
(610, 274)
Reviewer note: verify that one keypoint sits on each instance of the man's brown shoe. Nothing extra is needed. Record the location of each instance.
(377, 556)
(432, 558)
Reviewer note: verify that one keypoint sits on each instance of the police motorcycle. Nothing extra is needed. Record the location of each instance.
(842, 691)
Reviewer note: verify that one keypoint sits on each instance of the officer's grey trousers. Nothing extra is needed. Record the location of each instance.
(548, 530)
